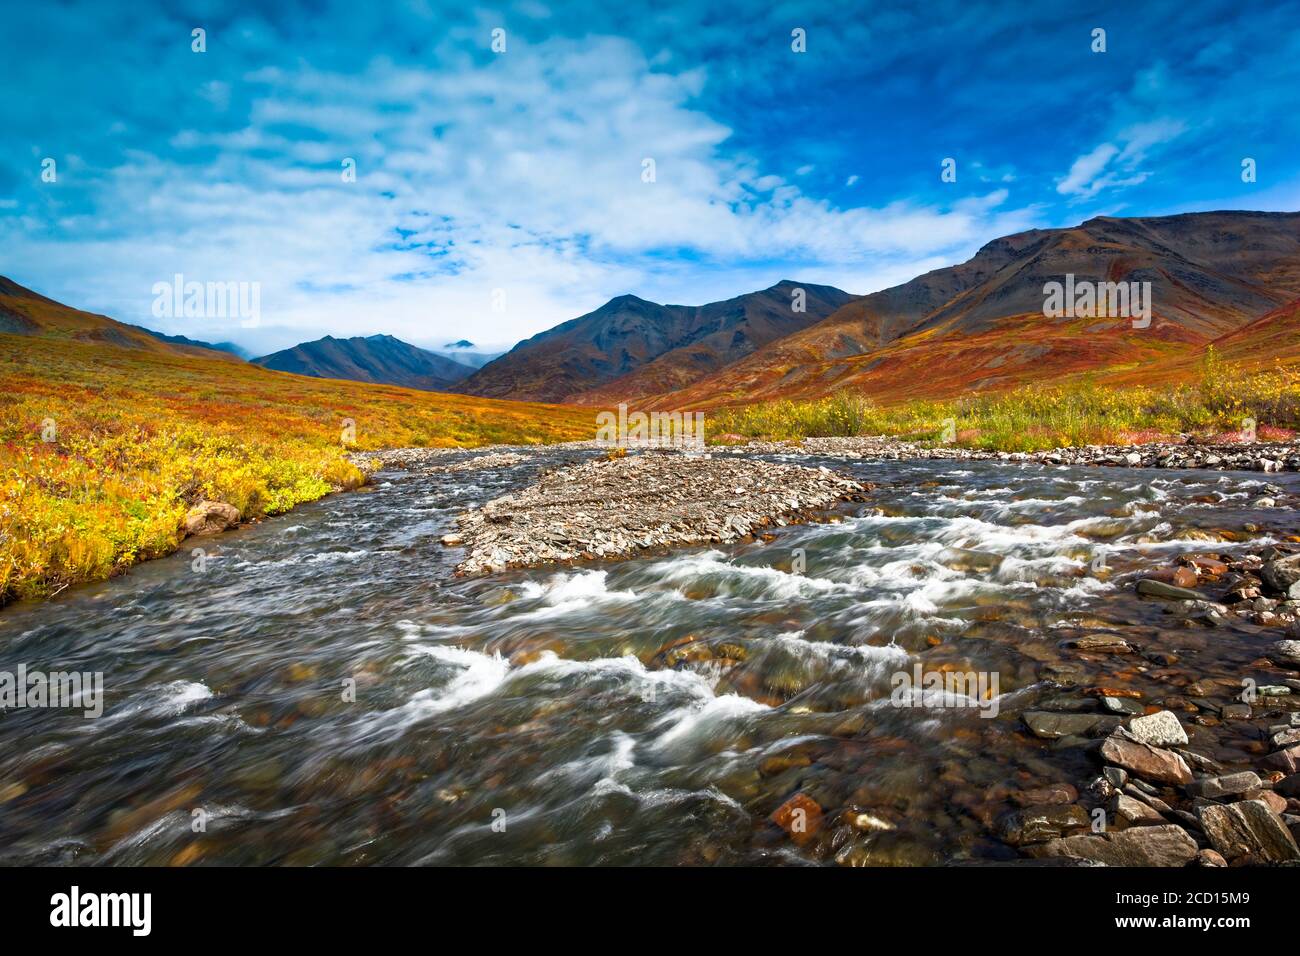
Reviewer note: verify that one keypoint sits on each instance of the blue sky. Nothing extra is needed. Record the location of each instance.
(520, 173)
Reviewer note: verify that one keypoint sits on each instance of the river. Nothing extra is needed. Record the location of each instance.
(319, 688)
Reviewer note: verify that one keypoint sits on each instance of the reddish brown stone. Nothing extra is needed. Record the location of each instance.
(1149, 763)
(800, 816)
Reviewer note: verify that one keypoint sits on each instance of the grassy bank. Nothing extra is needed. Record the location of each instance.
(1040, 417)
(104, 449)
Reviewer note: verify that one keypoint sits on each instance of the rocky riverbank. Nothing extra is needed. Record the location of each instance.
(1259, 456)
(621, 506)
(433, 460)
(1208, 774)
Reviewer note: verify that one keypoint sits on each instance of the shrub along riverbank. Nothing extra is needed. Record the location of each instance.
(103, 450)
(1041, 417)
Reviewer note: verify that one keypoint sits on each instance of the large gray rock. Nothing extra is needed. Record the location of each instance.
(1167, 845)
(1160, 729)
(1287, 652)
(1282, 576)
(1102, 644)
(1216, 788)
(1249, 828)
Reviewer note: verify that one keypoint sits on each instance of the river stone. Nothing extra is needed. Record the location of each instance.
(1283, 575)
(1121, 705)
(210, 517)
(1216, 788)
(1166, 845)
(1248, 827)
(1056, 793)
(1050, 726)
(1285, 738)
(1182, 577)
(1160, 729)
(964, 559)
(1169, 592)
(1288, 652)
(1288, 760)
(1101, 644)
(1146, 762)
(1134, 811)
(1038, 824)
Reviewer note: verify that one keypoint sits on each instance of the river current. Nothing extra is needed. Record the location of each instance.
(319, 688)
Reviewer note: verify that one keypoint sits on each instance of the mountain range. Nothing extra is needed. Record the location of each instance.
(981, 325)
(1231, 279)
(631, 347)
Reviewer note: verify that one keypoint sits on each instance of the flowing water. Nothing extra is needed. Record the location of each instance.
(653, 711)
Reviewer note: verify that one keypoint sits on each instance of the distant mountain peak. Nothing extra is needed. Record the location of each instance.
(459, 344)
(373, 358)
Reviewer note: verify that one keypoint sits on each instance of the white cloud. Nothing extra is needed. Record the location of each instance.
(521, 173)
(1109, 166)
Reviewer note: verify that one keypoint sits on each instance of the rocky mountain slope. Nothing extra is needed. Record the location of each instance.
(373, 358)
(630, 347)
(981, 324)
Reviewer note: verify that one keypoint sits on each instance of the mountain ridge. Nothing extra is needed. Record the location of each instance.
(980, 324)
(580, 359)
(379, 358)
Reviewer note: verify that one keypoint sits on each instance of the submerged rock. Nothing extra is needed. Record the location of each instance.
(800, 817)
(1051, 726)
(1169, 592)
(1040, 823)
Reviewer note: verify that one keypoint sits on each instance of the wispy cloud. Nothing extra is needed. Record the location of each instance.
(1109, 166)
(527, 173)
